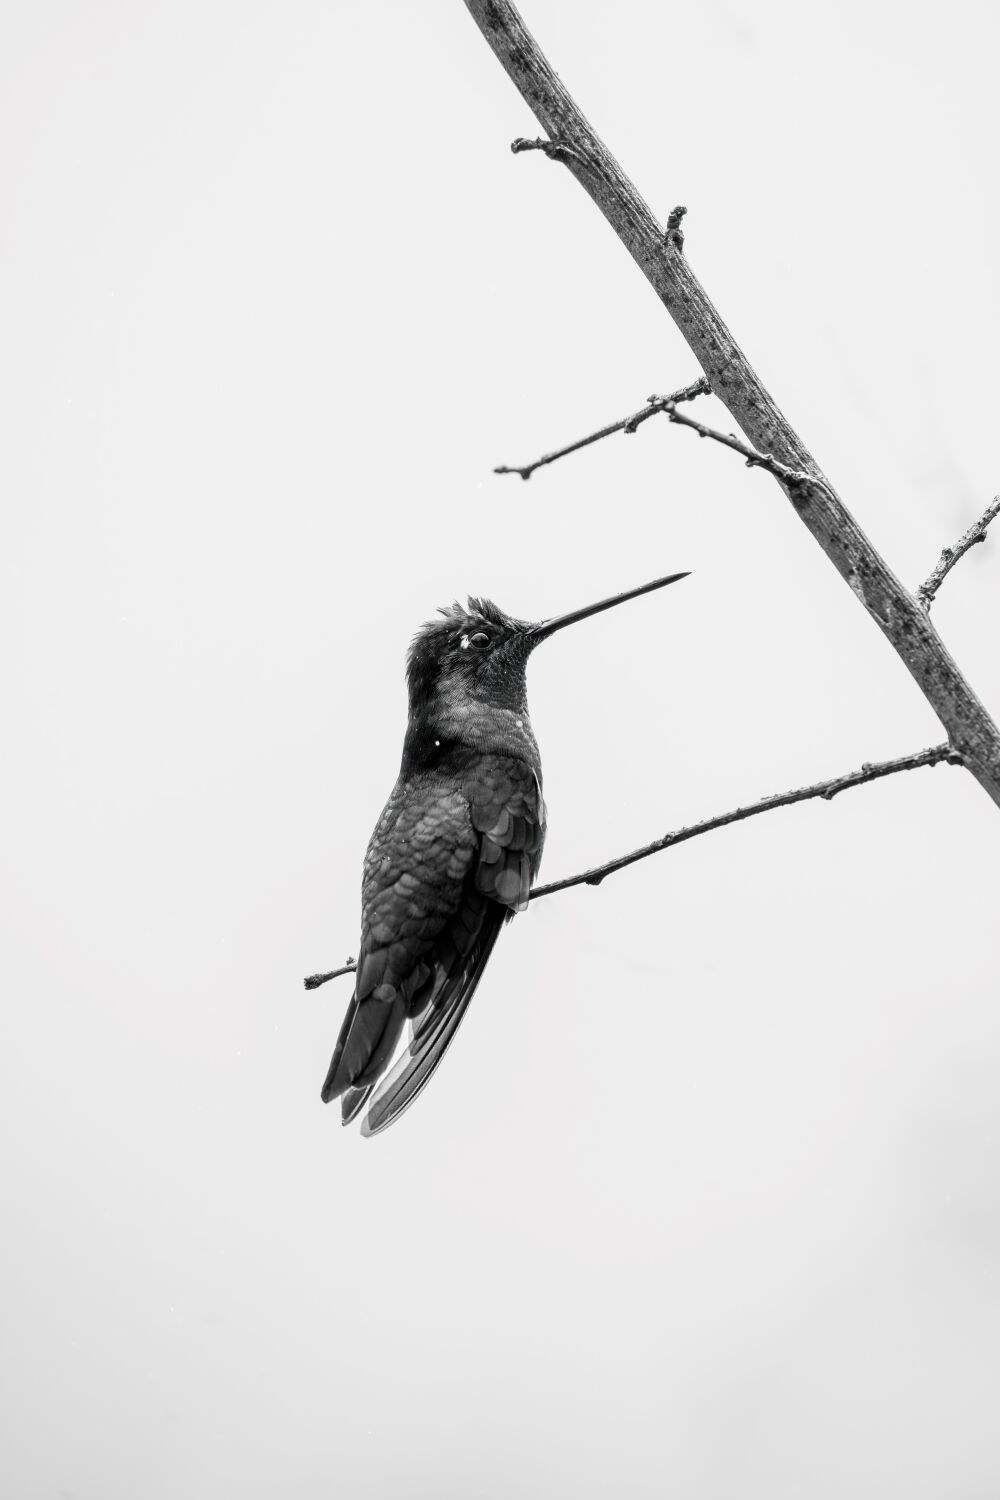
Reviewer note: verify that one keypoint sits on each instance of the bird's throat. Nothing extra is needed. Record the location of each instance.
(485, 728)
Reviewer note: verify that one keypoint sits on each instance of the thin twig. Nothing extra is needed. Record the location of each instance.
(870, 771)
(654, 405)
(798, 482)
(950, 555)
(825, 789)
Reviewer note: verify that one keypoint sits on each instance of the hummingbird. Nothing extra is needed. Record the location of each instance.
(453, 855)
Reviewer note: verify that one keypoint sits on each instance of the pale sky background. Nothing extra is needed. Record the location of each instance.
(705, 1201)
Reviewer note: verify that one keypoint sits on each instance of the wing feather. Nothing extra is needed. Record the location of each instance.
(451, 860)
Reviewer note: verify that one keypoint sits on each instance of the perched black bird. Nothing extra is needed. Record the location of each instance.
(453, 855)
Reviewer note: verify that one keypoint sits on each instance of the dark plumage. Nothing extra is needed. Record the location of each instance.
(452, 857)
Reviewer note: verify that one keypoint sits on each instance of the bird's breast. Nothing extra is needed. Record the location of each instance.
(489, 729)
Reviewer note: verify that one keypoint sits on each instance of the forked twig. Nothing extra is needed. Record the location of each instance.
(654, 405)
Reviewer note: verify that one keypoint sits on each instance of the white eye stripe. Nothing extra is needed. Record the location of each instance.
(465, 643)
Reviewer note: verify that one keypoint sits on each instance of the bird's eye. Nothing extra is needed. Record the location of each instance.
(480, 639)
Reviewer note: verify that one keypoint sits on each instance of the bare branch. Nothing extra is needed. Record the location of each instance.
(653, 407)
(894, 609)
(950, 556)
(825, 789)
(870, 771)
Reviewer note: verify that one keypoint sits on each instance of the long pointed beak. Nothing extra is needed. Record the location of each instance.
(549, 627)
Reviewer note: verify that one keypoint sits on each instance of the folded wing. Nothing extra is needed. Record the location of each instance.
(508, 815)
(452, 858)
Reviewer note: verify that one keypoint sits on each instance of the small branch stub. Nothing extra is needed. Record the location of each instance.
(554, 150)
(314, 981)
(674, 234)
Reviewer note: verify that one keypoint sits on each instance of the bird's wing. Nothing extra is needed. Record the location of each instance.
(505, 801)
(507, 816)
(416, 868)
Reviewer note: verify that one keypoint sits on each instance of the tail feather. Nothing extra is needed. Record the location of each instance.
(367, 1040)
(353, 1101)
(433, 1033)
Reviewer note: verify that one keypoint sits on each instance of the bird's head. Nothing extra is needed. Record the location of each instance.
(476, 653)
(472, 660)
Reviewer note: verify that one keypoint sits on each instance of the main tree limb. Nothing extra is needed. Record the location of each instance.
(905, 624)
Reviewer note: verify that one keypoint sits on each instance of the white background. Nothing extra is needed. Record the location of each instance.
(705, 1200)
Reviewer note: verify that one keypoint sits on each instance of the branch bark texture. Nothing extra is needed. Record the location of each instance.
(659, 255)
